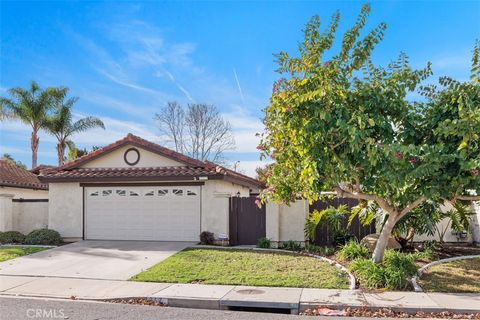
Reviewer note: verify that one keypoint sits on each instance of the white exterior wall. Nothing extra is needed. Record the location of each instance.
(66, 209)
(285, 223)
(28, 216)
(24, 193)
(6, 212)
(444, 224)
(115, 159)
(215, 205)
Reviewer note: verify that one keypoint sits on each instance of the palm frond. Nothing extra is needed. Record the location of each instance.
(85, 124)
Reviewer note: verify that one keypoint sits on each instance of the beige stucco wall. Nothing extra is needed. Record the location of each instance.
(115, 159)
(286, 222)
(444, 224)
(23, 193)
(66, 209)
(28, 216)
(66, 203)
(215, 205)
(6, 212)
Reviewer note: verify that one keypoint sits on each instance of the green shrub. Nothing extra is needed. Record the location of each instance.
(352, 250)
(12, 237)
(428, 252)
(323, 251)
(371, 275)
(291, 245)
(393, 273)
(43, 237)
(263, 243)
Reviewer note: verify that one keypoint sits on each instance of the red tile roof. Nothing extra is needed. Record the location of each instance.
(12, 175)
(192, 170)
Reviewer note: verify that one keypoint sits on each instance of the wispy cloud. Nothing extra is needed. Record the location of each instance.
(179, 86)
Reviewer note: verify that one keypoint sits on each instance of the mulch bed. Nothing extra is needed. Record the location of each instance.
(456, 250)
(386, 313)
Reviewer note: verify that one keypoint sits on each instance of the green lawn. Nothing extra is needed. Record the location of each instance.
(458, 276)
(241, 267)
(7, 253)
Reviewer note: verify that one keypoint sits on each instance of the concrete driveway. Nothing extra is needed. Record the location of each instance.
(110, 260)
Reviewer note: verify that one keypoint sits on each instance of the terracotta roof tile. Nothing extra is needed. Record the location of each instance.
(14, 176)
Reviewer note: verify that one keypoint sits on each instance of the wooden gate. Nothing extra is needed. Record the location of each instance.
(325, 237)
(247, 221)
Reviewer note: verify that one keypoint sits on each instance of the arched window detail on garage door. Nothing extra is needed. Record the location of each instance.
(107, 193)
(121, 192)
(134, 194)
(94, 194)
(177, 192)
(149, 193)
(191, 193)
(163, 192)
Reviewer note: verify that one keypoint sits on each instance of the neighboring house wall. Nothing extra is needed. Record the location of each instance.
(28, 216)
(66, 209)
(22, 216)
(24, 193)
(476, 222)
(147, 159)
(450, 235)
(6, 212)
(286, 222)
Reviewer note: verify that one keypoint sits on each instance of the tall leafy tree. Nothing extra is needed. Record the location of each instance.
(336, 122)
(30, 106)
(62, 126)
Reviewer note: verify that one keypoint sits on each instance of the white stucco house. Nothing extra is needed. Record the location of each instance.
(23, 199)
(134, 189)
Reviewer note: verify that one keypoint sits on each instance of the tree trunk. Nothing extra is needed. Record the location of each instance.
(383, 238)
(34, 145)
(60, 154)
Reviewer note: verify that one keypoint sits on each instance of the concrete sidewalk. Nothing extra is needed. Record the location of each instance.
(226, 297)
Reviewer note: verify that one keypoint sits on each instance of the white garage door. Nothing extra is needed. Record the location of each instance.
(142, 213)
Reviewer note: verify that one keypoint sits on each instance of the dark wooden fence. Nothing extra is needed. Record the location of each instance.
(247, 221)
(324, 235)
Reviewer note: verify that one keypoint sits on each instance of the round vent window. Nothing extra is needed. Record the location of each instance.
(131, 156)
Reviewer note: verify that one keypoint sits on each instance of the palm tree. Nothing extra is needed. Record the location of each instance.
(30, 106)
(61, 124)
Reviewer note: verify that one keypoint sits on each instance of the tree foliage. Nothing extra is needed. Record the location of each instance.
(338, 122)
(8, 157)
(62, 125)
(31, 106)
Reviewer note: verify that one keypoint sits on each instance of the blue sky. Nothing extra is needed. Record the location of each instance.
(125, 60)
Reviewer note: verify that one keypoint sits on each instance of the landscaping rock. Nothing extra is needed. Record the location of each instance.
(370, 242)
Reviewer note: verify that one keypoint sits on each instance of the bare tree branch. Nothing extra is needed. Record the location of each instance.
(199, 130)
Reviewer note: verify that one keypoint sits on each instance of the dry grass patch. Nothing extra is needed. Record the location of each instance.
(460, 276)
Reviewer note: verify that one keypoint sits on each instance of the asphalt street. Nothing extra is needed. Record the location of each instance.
(20, 308)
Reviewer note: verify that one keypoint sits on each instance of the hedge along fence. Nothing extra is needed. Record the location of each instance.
(324, 235)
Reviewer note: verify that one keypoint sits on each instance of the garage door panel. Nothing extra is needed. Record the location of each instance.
(143, 213)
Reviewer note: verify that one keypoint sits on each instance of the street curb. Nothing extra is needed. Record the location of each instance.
(351, 279)
(420, 271)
